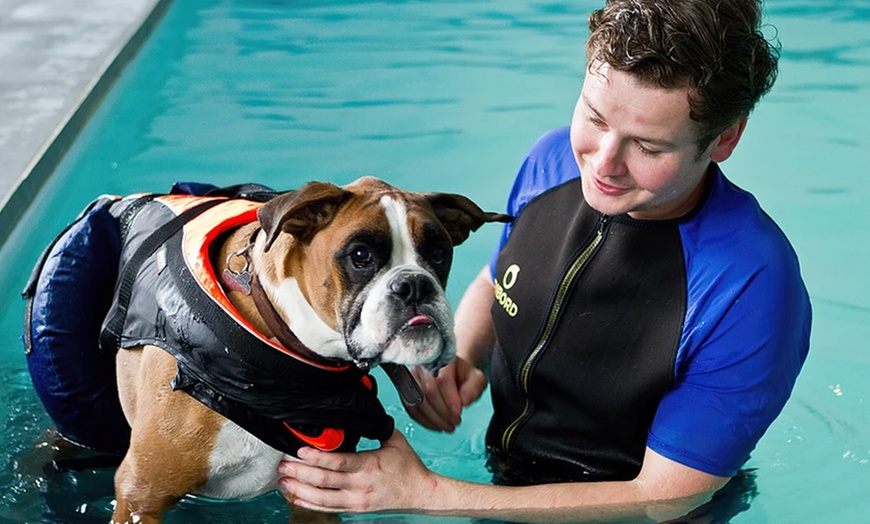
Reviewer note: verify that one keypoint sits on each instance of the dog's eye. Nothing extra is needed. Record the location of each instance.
(438, 255)
(361, 257)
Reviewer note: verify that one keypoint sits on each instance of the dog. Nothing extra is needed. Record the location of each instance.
(348, 277)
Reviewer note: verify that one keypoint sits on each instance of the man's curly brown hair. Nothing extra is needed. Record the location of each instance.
(713, 47)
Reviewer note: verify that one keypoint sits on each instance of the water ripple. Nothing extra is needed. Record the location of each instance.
(843, 10)
(834, 55)
(411, 134)
(836, 87)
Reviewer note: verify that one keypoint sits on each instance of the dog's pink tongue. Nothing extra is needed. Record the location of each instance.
(420, 320)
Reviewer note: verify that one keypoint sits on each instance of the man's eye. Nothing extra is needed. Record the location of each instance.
(361, 257)
(646, 151)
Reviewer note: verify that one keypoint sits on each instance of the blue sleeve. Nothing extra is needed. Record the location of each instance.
(550, 162)
(745, 338)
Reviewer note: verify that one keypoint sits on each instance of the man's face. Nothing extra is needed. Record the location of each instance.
(636, 147)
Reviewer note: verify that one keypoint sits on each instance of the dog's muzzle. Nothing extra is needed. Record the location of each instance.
(405, 319)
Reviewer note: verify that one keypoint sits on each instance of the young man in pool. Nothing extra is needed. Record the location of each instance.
(643, 321)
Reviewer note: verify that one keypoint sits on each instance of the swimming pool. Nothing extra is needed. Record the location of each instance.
(449, 95)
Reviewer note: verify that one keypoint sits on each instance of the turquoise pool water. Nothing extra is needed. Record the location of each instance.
(448, 95)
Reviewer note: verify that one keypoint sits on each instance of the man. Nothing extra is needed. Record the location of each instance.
(644, 319)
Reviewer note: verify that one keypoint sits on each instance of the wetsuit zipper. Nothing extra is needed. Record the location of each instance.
(561, 292)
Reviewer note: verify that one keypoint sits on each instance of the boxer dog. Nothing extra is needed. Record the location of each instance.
(357, 274)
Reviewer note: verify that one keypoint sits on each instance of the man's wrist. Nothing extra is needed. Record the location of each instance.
(478, 360)
(443, 495)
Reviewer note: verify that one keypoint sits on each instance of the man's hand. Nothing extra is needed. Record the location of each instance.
(392, 477)
(462, 381)
(457, 385)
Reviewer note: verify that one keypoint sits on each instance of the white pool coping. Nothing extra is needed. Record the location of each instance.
(57, 60)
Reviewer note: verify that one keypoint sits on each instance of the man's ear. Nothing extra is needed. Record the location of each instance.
(725, 143)
(459, 215)
(302, 212)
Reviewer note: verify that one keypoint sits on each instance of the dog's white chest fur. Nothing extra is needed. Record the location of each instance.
(241, 466)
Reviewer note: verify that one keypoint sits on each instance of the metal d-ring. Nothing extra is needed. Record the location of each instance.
(240, 253)
(238, 280)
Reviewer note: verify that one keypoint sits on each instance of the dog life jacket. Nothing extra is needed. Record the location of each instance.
(167, 295)
(173, 300)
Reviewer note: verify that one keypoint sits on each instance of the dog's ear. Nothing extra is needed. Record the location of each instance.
(460, 216)
(302, 212)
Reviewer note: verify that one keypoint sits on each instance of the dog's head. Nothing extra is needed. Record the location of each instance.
(360, 270)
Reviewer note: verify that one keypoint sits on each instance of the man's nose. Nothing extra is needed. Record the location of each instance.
(608, 159)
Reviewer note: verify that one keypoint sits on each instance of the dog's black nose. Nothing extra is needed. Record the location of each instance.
(412, 289)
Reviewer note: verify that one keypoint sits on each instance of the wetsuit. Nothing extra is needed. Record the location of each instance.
(615, 334)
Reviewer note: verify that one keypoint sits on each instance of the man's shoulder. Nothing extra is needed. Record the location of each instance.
(554, 140)
(552, 153)
(733, 220)
(733, 249)
(549, 163)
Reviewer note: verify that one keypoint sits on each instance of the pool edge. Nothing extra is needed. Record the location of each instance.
(25, 187)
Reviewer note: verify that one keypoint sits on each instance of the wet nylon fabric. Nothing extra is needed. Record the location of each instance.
(225, 366)
(220, 363)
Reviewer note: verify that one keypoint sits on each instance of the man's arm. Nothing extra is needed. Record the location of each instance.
(475, 333)
(463, 381)
(393, 478)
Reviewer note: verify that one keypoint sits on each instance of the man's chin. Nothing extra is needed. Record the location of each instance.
(606, 204)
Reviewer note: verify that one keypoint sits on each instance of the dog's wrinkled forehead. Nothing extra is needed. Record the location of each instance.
(316, 205)
(390, 208)
(371, 191)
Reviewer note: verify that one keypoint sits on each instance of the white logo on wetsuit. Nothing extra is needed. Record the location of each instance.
(501, 296)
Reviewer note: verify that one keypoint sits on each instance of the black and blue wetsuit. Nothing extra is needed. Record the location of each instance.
(614, 334)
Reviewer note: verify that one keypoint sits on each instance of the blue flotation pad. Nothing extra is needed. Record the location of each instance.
(68, 295)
